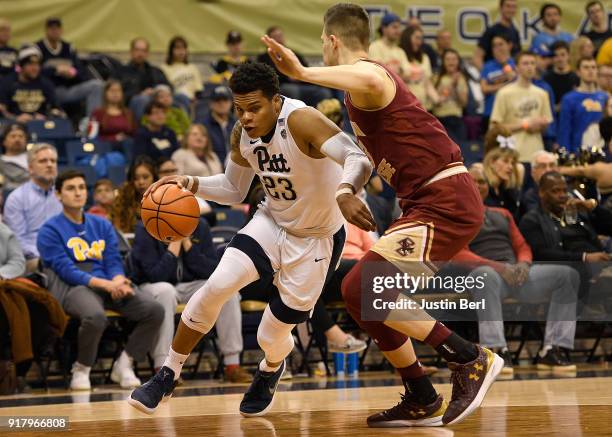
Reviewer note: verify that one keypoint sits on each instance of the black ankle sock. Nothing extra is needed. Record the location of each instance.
(421, 389)
(457, 350)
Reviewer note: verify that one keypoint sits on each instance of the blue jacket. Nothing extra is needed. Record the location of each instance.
(220, 137)
(578, 111)
(152, 262)
(79, 252)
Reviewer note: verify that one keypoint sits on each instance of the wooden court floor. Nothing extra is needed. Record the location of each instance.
(546, 405)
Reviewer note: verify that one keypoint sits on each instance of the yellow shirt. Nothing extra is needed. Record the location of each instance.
(604, 56)
(185, 78)
(420, 73)
(389, 55)
(514, 103)
(449, 105)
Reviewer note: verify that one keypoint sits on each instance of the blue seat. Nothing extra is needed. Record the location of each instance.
(222, 235)
(51, 129)
(117, 175)
(230, 217)
(77, 149)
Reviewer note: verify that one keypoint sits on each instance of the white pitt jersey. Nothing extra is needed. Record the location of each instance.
(300, 190)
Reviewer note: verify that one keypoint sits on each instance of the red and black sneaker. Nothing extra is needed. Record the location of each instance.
(410, 413)
(470, 384)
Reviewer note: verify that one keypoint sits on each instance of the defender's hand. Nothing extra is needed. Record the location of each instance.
(181, 181)
(284, 59)
(355, 212)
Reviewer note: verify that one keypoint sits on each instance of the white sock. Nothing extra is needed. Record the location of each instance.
(81, 367)
(263, 366)
(545, 350)
(124, 360)
(175, 362)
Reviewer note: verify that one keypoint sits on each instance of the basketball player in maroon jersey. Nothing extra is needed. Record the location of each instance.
(442, 212)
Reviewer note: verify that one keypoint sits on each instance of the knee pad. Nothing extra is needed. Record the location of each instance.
(274, 337)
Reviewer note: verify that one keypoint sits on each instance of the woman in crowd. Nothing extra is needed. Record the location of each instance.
(452, 88)
(420, 67)
(184, 77)
(176, 118)
(126, 207)
(113, 122)
(14, 157)
(581, 47)
(503, 172)
(196, 157)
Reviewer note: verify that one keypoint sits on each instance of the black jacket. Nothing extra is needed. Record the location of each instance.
(136, 78)
(152, 262)
(543, 234)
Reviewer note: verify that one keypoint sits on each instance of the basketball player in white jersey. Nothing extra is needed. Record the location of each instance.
(311, 172)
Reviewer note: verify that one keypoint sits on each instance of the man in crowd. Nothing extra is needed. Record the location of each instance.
(386, 50)
(598, 17)
(62, 66)
(505, 27)
(28, 207)
(523, 108)
(504, 261)
(154, 138)
(28, 95)
(80, 253)
(550, 16)
(14, 161)
(139, 77)
(8, 54)
(542, 162)
(560, 77)
(226, 66)
(220, 121)
(581, 107)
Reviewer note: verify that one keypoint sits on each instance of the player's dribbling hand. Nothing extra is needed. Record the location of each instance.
(181, 181)
(355, 212)
(284, 59)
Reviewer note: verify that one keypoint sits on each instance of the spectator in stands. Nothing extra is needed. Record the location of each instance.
(420, 73)
(550, 16)
(61, 64)
(139, 77)
(504, 27)
(104, 196)
(114, 122)
(495, 74)
(604, 55)
(598, 17)
(220, 121)
(226, 66)
(386, 50)
(196, 157)
(28, 95)
(452, 88)
(14, 159)
(155, 139)
(431, 53)
(542, 162)
(28, 207)
(504, 177)
(176, 118)
(556, 233)
(183, 267)
(581, 107)
(523, 109)
(561, 77)
(166, 167)
(504, 264)
(581, 47)
(8, 54)
(604, 78)
(444, 41)
(12, 261)
(81, 256)
(310, 94)
(592, 137)
(126, 207)
(184, 76)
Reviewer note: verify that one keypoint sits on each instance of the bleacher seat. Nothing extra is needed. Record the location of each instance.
(223, 234)
(76, 150)
(116, 174)
(51, 129)
(230, 217)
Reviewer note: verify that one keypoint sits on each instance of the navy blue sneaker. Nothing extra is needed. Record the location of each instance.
(157, 389)
(258, 398)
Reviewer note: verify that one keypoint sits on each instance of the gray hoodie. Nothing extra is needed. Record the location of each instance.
(12, 261)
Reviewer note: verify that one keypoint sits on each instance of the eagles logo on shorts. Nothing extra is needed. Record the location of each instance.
(406, 246)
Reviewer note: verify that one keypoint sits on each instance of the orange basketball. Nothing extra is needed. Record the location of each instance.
(170, 213)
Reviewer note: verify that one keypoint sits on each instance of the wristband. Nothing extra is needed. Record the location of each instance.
(344, 190)
(190, 182)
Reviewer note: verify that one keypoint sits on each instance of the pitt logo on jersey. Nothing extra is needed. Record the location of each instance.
(276, 163)
(591, 105)
(82, 251)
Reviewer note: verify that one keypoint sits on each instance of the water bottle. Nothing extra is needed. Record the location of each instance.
(352, 365)
(339, 364)
(570, 214)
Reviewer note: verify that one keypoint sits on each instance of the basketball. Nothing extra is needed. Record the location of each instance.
(170, 213)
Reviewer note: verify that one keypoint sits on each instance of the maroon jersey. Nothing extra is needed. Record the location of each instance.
(407, 144)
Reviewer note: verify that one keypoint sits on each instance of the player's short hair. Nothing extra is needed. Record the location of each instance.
(546, 6)
(65, 176)
(582, 60)
(557, 45)
(255, 76)
(350, 23)
(524, 53)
